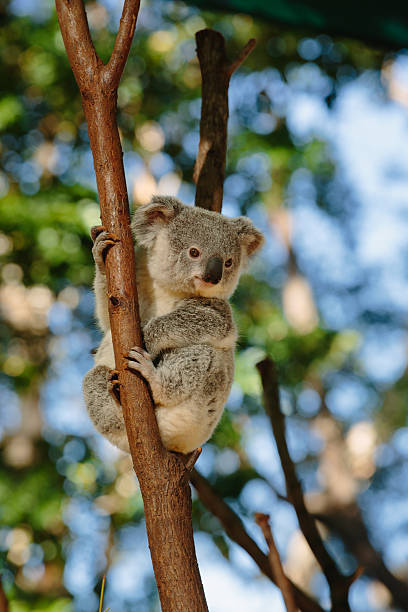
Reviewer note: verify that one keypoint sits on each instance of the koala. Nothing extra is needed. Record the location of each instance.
(188, 263)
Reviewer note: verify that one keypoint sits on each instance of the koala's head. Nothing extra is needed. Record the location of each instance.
(194, 251)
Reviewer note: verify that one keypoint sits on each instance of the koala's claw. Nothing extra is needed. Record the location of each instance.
(103, 241)
(114, 385)
(140, 361)
(95, 231)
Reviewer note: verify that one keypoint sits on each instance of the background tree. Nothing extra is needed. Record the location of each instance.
(309, 162)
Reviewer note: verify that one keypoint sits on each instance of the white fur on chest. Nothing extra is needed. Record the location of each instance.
(154, 301)
(105, 355)
(164, 302)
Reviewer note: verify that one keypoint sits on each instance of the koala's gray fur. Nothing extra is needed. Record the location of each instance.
(188, 328)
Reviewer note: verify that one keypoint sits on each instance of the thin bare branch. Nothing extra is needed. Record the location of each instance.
(338, 583)
(281, 579)
(191, 459)
(112, 72)
(235, 529)
(209, 169)
(78, 42)
(241, 57)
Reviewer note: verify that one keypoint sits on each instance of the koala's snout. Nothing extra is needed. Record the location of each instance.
(213, 270)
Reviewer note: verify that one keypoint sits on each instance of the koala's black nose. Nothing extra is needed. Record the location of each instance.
(213, 270)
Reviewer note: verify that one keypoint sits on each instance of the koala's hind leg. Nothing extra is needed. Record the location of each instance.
(100, 392)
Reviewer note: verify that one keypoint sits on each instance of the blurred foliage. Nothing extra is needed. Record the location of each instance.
(55, 481)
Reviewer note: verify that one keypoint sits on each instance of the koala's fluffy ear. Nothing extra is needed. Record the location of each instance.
(251, 238)
(149, 218)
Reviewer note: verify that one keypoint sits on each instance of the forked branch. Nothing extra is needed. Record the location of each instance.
(166, 493)
(241, 57)
(84, 60)
(114, 68)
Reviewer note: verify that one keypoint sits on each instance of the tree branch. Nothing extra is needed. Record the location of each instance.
(235, 530)
(274, 559)
(209, 169)
(338, 584)
(241, 57)
(189, 462)
(166, 493)
(114, 68)
(78, 42)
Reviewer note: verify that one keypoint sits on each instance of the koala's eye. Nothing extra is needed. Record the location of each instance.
(228, 263)
(194, 253)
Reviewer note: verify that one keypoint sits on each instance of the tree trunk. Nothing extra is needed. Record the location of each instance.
(163, 476)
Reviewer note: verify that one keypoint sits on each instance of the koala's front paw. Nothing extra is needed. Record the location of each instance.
(103, 241)
(140, 361)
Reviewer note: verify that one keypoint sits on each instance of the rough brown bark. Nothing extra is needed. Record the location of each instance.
(216, 71)
(338, 584)
(162, 476)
